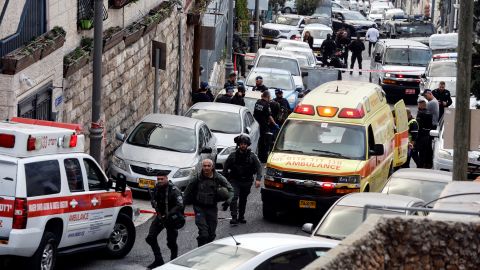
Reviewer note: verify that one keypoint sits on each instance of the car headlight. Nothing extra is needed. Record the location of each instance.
(184, 172)
(354, 179)
(285, 31)
(274, 172)
(227, 151)
(388, 75)
(119, 163)
(444, 154)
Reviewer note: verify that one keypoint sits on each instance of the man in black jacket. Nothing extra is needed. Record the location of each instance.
(239, 49)
(259, 86)
(232, 80)
(238, 98)
(204, 192)
(240, 167)
(284, 107)
(443, 96)
(168, 203)
(203, 95)
(357, 47)
(327, 48)
(227, 97)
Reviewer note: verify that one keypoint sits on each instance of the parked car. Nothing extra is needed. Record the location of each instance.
(319, 33)
(402, 62)
(339, 5)
(260, 251)
(291, 43)
(442, 67)
(226, 121)
(305, 57)
(353, 21)
(284, 27)
(408, 29)
(377, 15)
(163, 142)
(289, 7)
(346, 214)
(425, 184)
(282, 60)
(390, 14)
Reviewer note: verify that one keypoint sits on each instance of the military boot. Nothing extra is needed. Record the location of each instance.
(234, 221)
(158, 262)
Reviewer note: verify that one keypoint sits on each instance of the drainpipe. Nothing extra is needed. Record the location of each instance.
(178, 109)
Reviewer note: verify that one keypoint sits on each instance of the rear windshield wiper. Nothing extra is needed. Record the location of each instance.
(291, 151)
(162, 148)
(334, 154)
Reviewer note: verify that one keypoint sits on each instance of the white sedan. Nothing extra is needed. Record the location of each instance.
(259, 251)
(226, 121)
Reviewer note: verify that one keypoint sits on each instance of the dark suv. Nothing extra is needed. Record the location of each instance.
(409, 29)
(353, 21)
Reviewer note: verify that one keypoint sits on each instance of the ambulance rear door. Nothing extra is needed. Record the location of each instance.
(8, 181)
(401, 135)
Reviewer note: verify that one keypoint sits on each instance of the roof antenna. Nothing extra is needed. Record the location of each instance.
(237, 243)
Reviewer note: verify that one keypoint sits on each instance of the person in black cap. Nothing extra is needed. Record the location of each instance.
(284, 107)
(443, 96)
(327, 48)
(232, 80)
(238, 98)
(259, 85)
(263, 114)
(203, 95)
(227, 97)
(167, 200)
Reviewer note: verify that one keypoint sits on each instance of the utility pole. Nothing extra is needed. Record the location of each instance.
(257, 26)
(451, 15)
(461, 135)
(96, 128)
(229, 63)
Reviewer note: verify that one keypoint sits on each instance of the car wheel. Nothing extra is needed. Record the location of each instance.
(287, 10)
(46, 254)
(122, 238)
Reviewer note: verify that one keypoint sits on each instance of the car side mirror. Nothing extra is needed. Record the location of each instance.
(378, 58)
(299, 89)
(120, 183)
(304, 73)
(377, 150)
(109, 184)
(248, 130)
(424, 76)
(434, 133)
(250, 66)
(120, 136)
(302, 25)
(206, 150)
(307, 227)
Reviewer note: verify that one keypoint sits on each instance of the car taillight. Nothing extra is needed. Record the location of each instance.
(20, 214)
(31, 143)
(73, 140)
(304, 109)
(7, 140)
(273, 184)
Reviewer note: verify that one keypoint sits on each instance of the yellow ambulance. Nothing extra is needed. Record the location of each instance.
(341, 138)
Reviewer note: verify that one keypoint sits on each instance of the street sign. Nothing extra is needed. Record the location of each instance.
(163, 53)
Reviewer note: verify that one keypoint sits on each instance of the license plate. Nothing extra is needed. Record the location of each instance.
(410, 91)
(307, 204)
(146, 183)
(347, 190)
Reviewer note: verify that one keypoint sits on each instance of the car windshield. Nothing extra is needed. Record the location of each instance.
(407, 56)
(425, 190)
(318, 18)
(164, 137)
(218, 121)
(343, 220)
(322, 139)
(282, 44)
(215, 257)
(271, 80)
(419, 30)
(443, 69)
(319, 34)
(289, 64)
(354, 16)
(287, 20)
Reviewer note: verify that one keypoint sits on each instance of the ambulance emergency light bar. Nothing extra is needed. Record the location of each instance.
(327, 111)
(22, 137)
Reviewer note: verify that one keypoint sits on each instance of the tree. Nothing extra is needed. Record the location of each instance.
(242, 17)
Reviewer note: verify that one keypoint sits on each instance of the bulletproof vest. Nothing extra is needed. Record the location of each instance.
(243, 167)
(207, 189)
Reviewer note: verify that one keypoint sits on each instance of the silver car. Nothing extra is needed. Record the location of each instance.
(226, 121)
(174, 143)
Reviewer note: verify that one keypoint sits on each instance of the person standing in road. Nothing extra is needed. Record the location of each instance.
(203, 94)
(263, 114)
(307, 37)
(251, 35)
(357, 47)
(240, 168)
(204, 192)
(423, 144)
(167, 200)
(259, 85)
(444, 98)
(343, 40)
(227, 97)
(238, 98)
(432, 107)
(284, 107)
(239, 50)
(327, 48)
(232, 80)
(372, 36)
(412, 138)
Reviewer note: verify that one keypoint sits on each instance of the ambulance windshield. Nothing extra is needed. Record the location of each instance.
(322, 139)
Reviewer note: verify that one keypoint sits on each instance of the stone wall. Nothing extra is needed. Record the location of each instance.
(128, 82)
(406, 243)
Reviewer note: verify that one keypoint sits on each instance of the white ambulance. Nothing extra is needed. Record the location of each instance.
(54, 199)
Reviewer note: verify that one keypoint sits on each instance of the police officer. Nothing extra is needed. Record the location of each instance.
(443, 96)
(238, 98)
(412, 138)
(232, 80)
(263, 114)
(357, 47)
(204, 192)
(167, 200)
(240, 167)
(284, 107)
(259, 86)
(423, 144)
(327, 48)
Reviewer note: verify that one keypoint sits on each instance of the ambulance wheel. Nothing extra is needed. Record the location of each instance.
(46, 254)
(122, 238)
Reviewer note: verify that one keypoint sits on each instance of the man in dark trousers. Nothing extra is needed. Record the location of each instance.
(238, 98)
(444, 98)
(259, 86)
(327, 48)
(357, 47)
(263, 114)
(232, 80)
(239, 49)
(240, 168)
(412, 138)
(167, 200)
(204, 192)
(343, 40)
(423, 144)
(203, 94)
(227, 97)
(284, 107)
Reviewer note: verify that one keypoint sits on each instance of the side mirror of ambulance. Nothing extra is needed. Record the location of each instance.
(378, 150)
(120, 136)
(120, 183)
(434, 133)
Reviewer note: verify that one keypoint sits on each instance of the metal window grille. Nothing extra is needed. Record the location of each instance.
(85, 10)
(37, 106)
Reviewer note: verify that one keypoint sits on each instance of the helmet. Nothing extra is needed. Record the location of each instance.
(222, 194)
(242, 138)
(175, 221)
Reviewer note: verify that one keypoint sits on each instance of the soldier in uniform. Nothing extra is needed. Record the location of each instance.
(204, 192)
(240, 168)
(167, 201)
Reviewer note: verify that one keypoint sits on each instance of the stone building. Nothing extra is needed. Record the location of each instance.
(48, 88)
